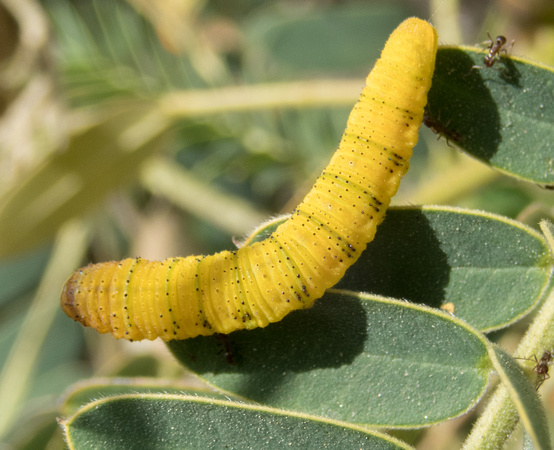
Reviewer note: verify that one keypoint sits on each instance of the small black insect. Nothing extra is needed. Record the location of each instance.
(541, 368)
(227, 349)
(441, 129)
(494, 50)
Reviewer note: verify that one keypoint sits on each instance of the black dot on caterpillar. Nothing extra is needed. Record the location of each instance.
(260, 283)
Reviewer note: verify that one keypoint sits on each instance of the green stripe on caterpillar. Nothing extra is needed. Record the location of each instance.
(255, 285)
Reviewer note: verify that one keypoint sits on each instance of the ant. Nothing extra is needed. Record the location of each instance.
(227, 349)
(494, 50)
(441, 129)
(541, 366)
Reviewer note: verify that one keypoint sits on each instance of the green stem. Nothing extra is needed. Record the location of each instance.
(300, 94)
(228, 212)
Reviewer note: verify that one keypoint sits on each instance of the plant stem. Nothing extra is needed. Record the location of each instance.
(300, 94)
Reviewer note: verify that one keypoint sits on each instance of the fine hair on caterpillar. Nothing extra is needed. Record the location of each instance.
(258, 284)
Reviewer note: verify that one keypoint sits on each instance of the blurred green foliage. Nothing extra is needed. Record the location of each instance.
(68, 67)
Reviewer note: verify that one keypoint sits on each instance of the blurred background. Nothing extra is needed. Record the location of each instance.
(158, 128)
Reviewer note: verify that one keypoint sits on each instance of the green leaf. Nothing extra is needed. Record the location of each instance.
(87, 391)
(530, 408)
(149, 421)
(502, 115)
(351, 357)
(97, 160)
(486, 269)
(491, 270)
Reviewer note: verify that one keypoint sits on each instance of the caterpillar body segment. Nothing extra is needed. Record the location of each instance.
(253, 286)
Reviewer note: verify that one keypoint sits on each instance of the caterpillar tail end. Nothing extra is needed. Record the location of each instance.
(67, 300)
(85, 302)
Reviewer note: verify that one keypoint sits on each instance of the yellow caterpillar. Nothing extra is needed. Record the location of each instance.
(181, 298)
